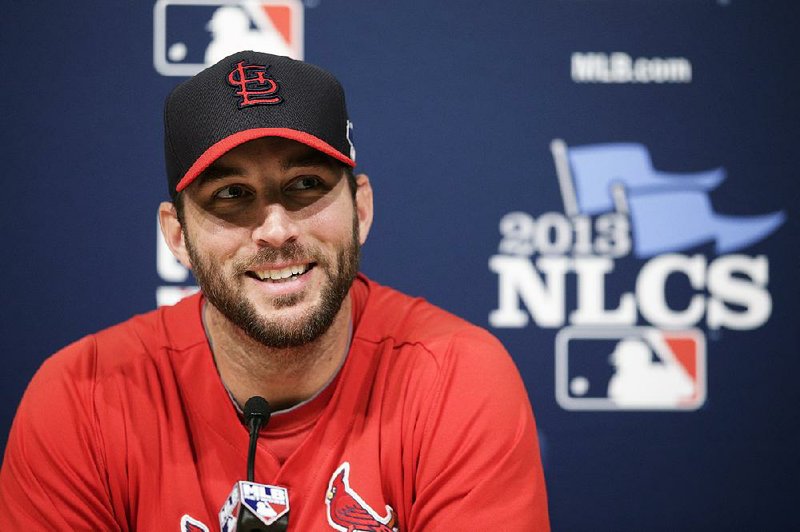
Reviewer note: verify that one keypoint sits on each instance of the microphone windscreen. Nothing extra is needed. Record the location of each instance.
(257, 406)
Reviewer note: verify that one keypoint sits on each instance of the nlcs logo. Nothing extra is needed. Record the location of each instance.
(192, 34)
(618, 207)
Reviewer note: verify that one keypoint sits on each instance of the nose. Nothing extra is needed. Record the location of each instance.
(276, 227)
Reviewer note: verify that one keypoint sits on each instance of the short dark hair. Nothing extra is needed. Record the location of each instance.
(348, 172)
(351, 179)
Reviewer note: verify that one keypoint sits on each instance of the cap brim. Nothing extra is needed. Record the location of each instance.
(217, 150)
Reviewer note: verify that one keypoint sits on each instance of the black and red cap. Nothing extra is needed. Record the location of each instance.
(246, 96)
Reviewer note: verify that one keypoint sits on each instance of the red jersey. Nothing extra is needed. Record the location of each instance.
(427, 427)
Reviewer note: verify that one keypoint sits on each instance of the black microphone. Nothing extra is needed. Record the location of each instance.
(256, 415)
(253, 507)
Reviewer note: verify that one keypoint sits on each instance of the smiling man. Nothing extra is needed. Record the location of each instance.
(387, 413)
(272, 231)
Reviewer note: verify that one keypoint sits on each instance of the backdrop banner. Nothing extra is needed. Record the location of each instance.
(608, 186)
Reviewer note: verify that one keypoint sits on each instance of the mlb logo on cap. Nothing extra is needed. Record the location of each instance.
(630, 368)
(189, 35)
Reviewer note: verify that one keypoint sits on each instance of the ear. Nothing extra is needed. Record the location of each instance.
(173, 232)
(363, 206)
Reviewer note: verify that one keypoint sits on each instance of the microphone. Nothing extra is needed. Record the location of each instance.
(253, 507)
(256, 415)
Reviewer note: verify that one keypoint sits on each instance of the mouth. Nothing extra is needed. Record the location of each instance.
(281, 275)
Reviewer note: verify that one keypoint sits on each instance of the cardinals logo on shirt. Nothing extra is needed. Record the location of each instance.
(190, 524)
(348, 512)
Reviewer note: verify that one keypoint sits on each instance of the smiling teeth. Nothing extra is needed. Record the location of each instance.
(284, 273)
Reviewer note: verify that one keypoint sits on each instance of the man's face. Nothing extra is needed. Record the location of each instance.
(272, 235)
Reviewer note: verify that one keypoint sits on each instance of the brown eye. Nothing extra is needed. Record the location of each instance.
(230, 192)
(305, 183)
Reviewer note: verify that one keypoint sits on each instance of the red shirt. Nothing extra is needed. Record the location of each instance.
(132, 429)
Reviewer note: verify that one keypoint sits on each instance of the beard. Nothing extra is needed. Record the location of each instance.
(228, 296)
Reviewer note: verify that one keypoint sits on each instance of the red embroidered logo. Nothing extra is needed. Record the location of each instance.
(255, 85)
(347, 511)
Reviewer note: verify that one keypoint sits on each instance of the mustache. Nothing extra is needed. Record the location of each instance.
(290, 252)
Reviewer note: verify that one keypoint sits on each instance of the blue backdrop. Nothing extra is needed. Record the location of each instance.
(610, 187)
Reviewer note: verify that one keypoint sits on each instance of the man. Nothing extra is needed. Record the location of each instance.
(388, 413)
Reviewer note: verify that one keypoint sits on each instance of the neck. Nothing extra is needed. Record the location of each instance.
(284, 377)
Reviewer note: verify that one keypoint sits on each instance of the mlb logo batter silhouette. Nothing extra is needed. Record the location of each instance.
(192, 34)
(630, 368)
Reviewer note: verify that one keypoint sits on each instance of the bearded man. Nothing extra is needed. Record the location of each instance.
(387, 413)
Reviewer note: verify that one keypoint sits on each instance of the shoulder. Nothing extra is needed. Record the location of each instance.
(70, 380)
(434, 357)
(133, 341)
(466, 414)
(78, 384)
(70, 430)
(392, 317)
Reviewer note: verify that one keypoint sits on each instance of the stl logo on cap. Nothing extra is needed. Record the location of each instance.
(255, 85)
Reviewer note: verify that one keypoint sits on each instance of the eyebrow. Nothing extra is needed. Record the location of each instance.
(310, 158)
(217, 171)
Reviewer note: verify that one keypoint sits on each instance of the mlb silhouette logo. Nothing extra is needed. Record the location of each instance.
(630, 368)
(189, 35)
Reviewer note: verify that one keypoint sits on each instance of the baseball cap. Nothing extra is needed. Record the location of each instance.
(246, 96)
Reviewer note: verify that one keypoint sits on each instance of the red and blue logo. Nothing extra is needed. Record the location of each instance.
(192, 34)
(630, 368)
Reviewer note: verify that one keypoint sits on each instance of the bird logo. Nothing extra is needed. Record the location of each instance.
(190, 524)
(348, 512)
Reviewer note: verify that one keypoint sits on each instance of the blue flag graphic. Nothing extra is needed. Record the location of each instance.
(668, 211)
(676, 220)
